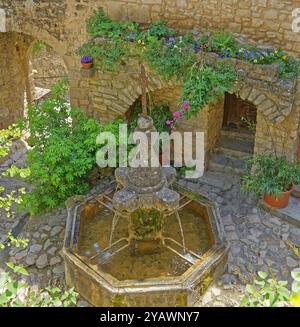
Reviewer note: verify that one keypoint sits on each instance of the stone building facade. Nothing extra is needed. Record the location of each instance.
(62, 25)
(48, 67)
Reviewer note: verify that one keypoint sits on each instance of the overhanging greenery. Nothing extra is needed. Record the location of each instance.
(174, 56)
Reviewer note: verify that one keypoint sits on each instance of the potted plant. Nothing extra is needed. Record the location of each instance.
(87, 62)
(271, 177)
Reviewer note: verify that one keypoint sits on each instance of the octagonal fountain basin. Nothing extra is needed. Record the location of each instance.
(110, 268)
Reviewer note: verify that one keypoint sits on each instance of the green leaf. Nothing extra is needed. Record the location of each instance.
(245, 301)
(284, 292)
(262, 274)
(296, 274)
(296, 287)
(251, 289)
(3, 299)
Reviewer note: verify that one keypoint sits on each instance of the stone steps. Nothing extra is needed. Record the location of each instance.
(236, 148)
(237, 134)
(232, 149)
(225, 164)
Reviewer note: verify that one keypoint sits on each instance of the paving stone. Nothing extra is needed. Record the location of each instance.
(20, 255)
(56, 230)
(54, 261)
(59, 270)
(30, 259)
(216, 291)
(47, 244)
(35, 248)
(292, 263)
(52, 250)
(42, 261)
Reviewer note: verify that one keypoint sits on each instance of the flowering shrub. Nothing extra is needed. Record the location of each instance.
(178, 114)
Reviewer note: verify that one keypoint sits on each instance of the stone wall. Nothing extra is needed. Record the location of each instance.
(48, 67)
(14, 76)
(63, 22)
(283, 138)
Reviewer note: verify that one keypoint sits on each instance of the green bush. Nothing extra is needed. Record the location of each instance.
(268, 174)
(63, 141)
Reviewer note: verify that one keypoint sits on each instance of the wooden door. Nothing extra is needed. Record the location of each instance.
(238, 113)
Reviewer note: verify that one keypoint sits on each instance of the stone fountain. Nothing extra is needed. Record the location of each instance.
(144, 240)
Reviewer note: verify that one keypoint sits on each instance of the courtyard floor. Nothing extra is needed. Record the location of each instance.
(258, 240)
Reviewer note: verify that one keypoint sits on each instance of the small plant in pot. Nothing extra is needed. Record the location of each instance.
(87, 62)
(271, 177)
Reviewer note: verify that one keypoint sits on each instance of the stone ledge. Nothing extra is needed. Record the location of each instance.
(290, 214)
(86, 73)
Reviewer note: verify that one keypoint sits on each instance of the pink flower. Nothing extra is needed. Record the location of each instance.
(177, 114)
(169, 122)
(186, 105)
(215, 89)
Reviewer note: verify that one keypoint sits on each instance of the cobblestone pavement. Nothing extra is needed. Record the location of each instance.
(257, 239)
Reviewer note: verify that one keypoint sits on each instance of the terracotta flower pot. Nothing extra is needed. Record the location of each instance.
(281, 202)
(87, 65)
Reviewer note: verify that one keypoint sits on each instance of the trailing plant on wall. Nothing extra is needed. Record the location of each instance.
(159, 46)
(177, 57)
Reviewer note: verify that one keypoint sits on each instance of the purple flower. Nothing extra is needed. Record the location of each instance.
(170, 40)
(221, 55)
(186, 105)
(228, 55)
(237, 53)
(197, 48)
(86, 59)
(169, 122)
(131, 37)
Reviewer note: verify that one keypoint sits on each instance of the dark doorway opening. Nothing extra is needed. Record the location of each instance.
(239, 114)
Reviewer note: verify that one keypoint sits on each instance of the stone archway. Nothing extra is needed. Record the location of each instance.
(110, 95)
(16, 82)
(14, 71)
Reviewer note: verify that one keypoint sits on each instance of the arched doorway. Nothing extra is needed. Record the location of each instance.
(239, 114)
(237, 137)
(17, 86)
